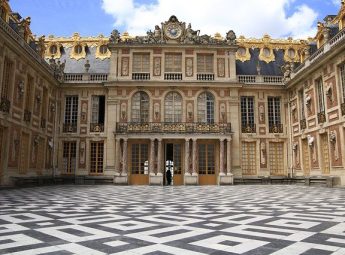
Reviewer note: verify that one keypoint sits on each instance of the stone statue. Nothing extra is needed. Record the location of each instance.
(115, 37)
(41, 48)
(286, 70)
(191, 35)
(231, 37)
(58, 68)
(158, 32)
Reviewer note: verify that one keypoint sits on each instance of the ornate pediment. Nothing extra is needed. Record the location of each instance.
(173, 32)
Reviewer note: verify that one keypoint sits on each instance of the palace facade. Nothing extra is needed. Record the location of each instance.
(212, 109)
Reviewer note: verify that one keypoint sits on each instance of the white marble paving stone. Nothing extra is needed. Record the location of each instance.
(11, 228)
(236, 219)
(290, 235)
(79, 249)
(13, 218)
(94, 219)
(116, 243)
(38, 251)
(171, 219)
(133, 225)
(189, 232)
(302, 247)
(59, 233)
(290, 223)
(338, 229)
(159, 248)
(244, 244)
(16, 241)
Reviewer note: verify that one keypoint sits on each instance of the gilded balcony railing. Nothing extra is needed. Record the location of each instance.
(168, 127)
(70, 128)
(96, 127)
(276, 128)
(249, 128)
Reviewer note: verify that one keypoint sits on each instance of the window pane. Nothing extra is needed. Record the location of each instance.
(173, 63)
(173, 107)
(140, 107)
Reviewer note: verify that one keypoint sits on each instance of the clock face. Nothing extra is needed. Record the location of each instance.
(173, 31)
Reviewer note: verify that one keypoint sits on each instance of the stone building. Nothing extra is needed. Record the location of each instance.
(212, 109)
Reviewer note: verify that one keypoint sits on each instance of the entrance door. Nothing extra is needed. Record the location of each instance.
(306, 158)
(69, 157)
(173, 163)
(207, 164)
(325, 154)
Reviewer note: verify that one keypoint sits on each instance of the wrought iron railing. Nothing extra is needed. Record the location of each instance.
(303, 124)
(321, 117)
(96, 127)
(5, 105)
(249, 128)
(70, 128)
(276, 128)
(168, 127)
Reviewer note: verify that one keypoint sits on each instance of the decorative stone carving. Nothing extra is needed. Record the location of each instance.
(123, 111)
(157, 111)
(125, 66)
(261, 113)
(58, 68)
(286, 70)
(222, 112)
(231, 37)
(221, 67)
(333, 141)
(190, 111)
(263, 153)
(21, 89)
(157, 66)
(84, 107)
(189, 67)
(82, 148)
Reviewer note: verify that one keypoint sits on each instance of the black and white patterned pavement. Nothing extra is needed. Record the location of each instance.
(261, 220)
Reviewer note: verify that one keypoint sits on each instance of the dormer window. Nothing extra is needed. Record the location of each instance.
(241, 51)
(266, 52)
(53, 49)
(78, 49)
(291, 53)
(103, 49)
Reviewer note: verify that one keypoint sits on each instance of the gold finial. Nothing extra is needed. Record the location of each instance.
(218, 36)
(342, 2)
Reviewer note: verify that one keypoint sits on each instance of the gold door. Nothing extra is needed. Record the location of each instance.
(139, 164)
(306, 157)
(276, 157)
(178, 175)
(24, 154)
(325, 154)
(207, 164)
(248, 158)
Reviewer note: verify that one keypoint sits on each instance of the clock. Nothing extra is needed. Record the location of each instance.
(173, 31)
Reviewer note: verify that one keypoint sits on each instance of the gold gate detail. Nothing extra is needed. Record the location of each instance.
(325, 154)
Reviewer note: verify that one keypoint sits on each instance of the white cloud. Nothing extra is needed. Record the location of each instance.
(336, 2)
(251, 18)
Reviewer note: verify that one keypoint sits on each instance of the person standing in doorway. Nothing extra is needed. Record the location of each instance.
(168, 176)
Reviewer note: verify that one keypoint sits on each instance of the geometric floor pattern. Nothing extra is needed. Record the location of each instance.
(261, 220)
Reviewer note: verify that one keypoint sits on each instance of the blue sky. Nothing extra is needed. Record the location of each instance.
(94, 17)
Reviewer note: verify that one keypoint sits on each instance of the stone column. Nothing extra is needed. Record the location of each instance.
(124, 157)
(159, 158)
(109, 127)
(117, 156)
(113, 65)
(228, 157)
(221, 157)
(194, 157)
(152, 158)
(186, 159)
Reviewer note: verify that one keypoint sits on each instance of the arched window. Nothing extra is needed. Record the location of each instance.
(206, 108)
(173, 107)
(140, 107)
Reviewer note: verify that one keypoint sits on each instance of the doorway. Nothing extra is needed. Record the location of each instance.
(173, 163)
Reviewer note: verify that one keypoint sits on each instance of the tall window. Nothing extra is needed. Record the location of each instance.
(205, 63)
(173, 63)
(320, 97)
(96, 160)
(28, 91)
(69, 157)
(98, 109)
(173, 107)
(71, 110)
(140, 157)
(247, 113)
(342, 80)
(6, 80)
(140, 107)
(206, 108)
(301, 104)
(206, 158)
(274, 118)
(141, 63)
